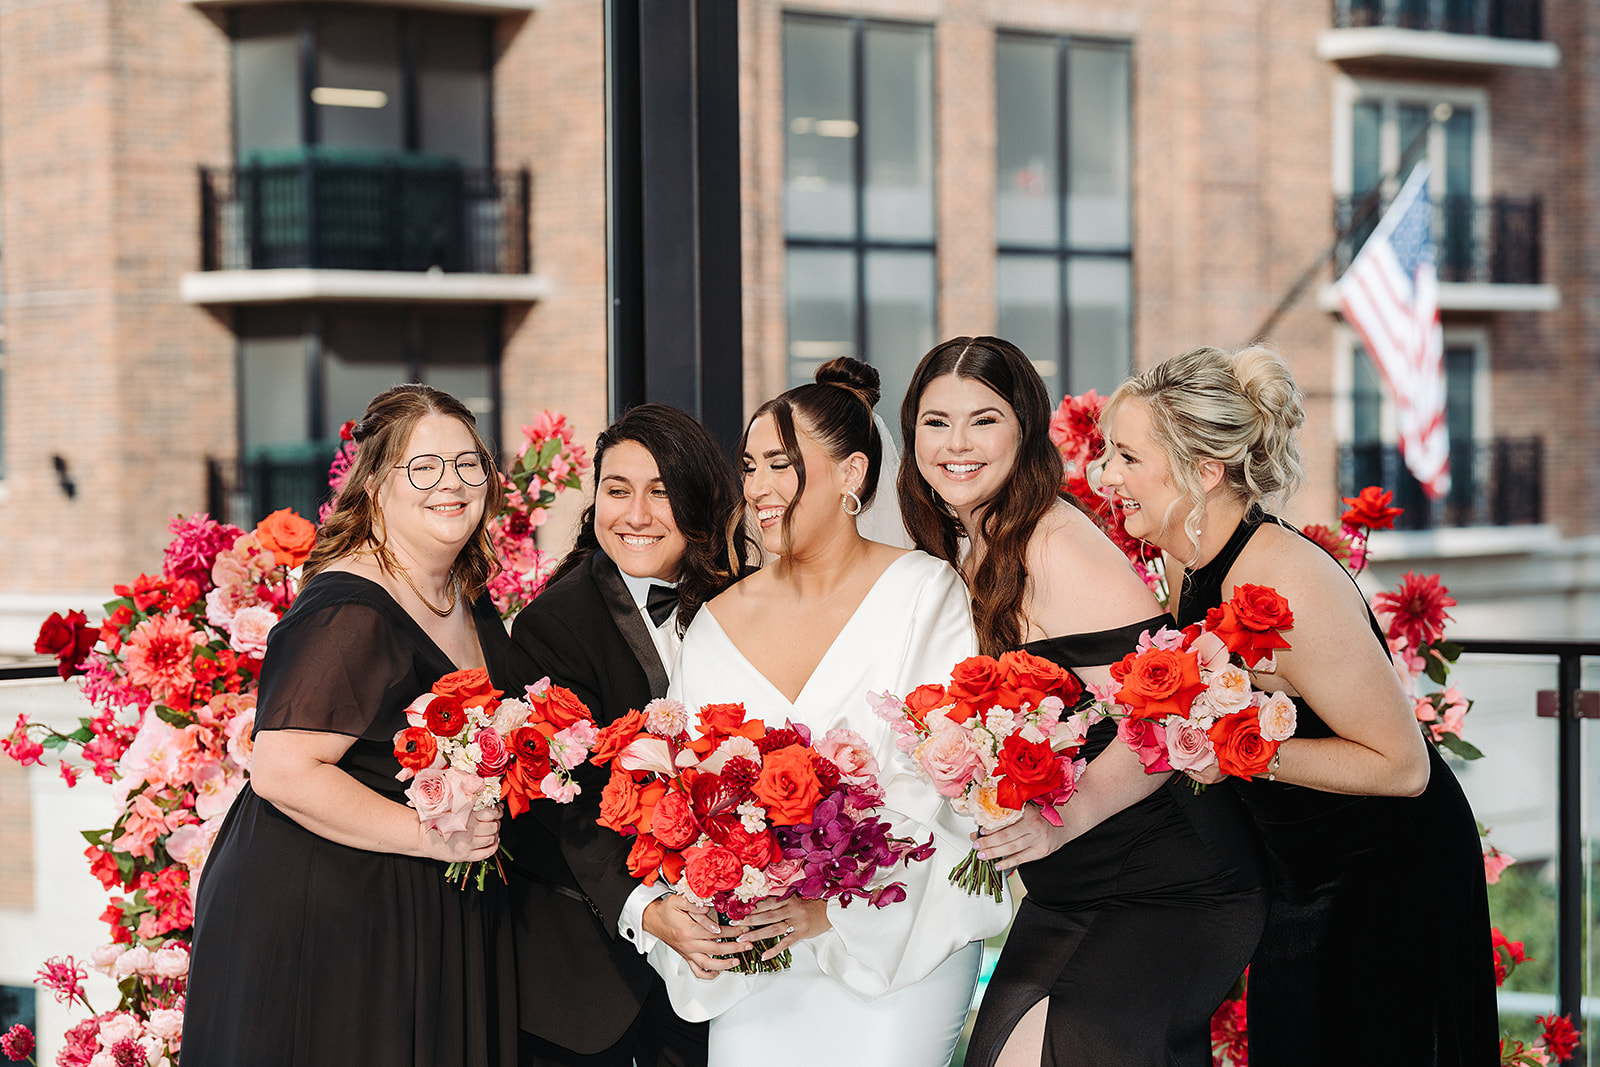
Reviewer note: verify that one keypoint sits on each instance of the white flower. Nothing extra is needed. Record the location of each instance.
(753, 886)
(665, 717)
(1229, 689)
(1277, 718)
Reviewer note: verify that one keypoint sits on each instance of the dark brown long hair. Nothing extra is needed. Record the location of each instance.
(837, 411)
(382, 434)
(1000, 585)
(701, 491)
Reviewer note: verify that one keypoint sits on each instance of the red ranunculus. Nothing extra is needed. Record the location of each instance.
(974, 685)
(1370, 509)
(445, 715)
(711, 869)
(415, 747)
(673, 823)
(1030, 768)
(1158, 682)
(753, 849)
(1241, 750)
(788, 786)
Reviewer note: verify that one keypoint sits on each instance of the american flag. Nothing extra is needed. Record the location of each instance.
(1390, 296)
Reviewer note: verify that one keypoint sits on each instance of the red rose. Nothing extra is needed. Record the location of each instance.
(561, 707)
(974, 683)
(1370, 509)
(788, 786)
(287, 536)
(673, 823)
(1241, 750)
(1030, 769)
(615, 737)
(445, 716)
(644, 859)
(1032, 678)
(471, 687)
(415, 747)
(1158, 682)
(1249, 623)
(711, 869)
(1261, 608)
(68, 639)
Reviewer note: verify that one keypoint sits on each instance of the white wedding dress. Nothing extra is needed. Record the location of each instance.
(885, 986)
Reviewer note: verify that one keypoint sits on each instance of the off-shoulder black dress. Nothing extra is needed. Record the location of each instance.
(1136, 930)
(308, 952)
(1377, 947)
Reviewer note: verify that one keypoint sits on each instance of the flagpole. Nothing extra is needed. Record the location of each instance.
(1368, 204)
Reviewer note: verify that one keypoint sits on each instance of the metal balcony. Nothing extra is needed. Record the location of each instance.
(1493, 483)
(319, 209)
(1495, 241)
(1519, 20)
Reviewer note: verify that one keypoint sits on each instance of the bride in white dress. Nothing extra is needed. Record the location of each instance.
(805, 639)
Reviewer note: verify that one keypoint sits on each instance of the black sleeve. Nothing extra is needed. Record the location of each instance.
(331, 669)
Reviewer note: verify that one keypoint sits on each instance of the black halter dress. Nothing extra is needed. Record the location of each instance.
(1377, 948)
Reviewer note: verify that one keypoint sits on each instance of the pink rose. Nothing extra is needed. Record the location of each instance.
(950, 760)
(238, 732)
(1148, 740)
(1189, 746)
(172, 960)
(441, 802)
(493, 755)
(849, 752)
(1277, 718)
(166, 1024)
(781, 874)
(247, 634)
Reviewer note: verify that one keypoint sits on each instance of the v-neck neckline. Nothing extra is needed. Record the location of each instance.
(826, 655)
(417, 626)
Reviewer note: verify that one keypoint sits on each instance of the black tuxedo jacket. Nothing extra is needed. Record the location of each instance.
(579, 983)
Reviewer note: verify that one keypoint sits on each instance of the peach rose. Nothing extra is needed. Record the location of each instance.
(951, 761)
(287, 536)
(849, 752)
(1277, 717)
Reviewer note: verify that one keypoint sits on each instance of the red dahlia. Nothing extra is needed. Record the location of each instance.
(1416, 610)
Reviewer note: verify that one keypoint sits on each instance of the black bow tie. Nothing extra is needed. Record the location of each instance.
(661, 602)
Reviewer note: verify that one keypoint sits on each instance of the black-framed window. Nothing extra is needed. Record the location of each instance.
(361, 79)
(1064, 206)
(858, 194)
(303, 370)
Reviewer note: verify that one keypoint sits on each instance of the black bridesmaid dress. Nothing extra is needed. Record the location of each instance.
(1377, 948)
(1136, 930)
(310, 952)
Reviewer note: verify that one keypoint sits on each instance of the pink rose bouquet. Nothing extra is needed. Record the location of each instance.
(464, 750)
(735, 813)
(1002, 734)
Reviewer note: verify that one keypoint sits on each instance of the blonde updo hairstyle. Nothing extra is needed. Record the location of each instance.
(1242, 409)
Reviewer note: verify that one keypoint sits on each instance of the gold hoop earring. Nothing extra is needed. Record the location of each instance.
(849, 498)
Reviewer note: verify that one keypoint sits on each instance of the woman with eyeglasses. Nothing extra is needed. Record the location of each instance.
(325, 931)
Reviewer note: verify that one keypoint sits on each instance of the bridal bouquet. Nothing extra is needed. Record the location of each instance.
(998, 736)
(735, 813)
(1185, 700)
(464, 750)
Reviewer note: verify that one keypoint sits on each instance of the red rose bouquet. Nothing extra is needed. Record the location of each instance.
(996, 738)
(734, 812)
(464, 750)
(1186, 701)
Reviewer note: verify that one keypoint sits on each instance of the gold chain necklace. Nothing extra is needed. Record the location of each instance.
(442, 613)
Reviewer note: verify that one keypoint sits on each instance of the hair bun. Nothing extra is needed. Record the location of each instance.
(852, 374)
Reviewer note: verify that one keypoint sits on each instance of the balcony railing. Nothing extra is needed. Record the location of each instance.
(366, 211)
(286, 476)
(1519, 20)
(1488, 241)
(1492, 483)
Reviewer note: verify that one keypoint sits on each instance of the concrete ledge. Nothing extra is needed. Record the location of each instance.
(302, 284)
(465, 7)
(1464, 49)
(1477, 296)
